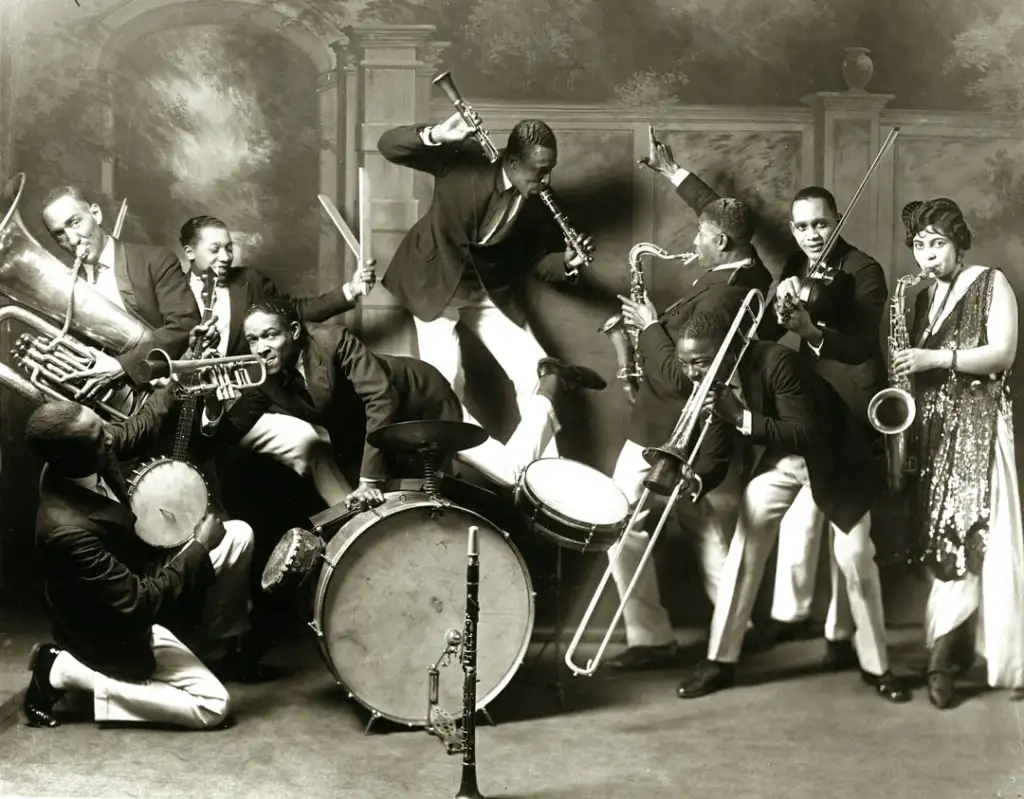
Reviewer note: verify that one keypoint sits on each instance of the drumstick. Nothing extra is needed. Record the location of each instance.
(365, 221)
(346, 232)
(119, 222)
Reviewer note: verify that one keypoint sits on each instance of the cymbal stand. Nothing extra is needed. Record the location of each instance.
(560, 669)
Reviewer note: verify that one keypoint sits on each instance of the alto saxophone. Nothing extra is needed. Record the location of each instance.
(892, 410)
(439, 723)
(625, 338)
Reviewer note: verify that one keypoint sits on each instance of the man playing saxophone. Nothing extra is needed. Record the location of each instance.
(730, 267)
(801, 442)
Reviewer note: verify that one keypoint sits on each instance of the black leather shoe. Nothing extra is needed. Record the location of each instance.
(888, 686)
(708, 677)
(235, 668)
(839, 656)
(571, 377)
(940, 688)
(41, 696)
(639, 658)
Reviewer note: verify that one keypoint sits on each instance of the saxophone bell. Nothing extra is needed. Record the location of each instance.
(892, 411)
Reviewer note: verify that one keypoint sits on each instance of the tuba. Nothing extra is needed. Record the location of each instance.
(672, 469)
(623, 337)
(892, 410)
(47, 293)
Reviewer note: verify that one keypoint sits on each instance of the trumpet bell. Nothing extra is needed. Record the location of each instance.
(892, 411)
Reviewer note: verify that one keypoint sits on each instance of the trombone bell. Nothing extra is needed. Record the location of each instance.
(892, 411)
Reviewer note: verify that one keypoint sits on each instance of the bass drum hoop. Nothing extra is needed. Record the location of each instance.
(410, 500)
(146, 470)
(541, 512)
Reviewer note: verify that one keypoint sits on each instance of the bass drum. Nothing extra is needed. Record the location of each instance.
(394, 582)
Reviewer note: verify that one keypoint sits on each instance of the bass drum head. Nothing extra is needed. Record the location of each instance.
(169, 498)
(395, 583)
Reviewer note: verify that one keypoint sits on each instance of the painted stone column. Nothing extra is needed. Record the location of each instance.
(387, 74)
(848, 134)
(330, 261)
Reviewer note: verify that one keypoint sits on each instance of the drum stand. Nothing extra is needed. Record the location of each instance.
(557, 685)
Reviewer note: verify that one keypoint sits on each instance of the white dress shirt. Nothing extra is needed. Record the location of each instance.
(221, 308)
(517, 199)
(746, 427)
(101, 274)
(96, 484)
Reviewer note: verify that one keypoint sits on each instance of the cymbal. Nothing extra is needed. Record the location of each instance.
(427, 434)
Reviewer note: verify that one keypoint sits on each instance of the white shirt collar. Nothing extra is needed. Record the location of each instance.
(90, 482)
(506, 182)
(107, 254)
(732, 265)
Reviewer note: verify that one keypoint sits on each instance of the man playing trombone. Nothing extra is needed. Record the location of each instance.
(731, 267)
(802, 442)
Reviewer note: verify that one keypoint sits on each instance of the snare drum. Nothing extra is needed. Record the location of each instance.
(574, 505)
(394, 582)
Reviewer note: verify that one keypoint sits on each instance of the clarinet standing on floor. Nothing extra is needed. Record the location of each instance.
(468, 788)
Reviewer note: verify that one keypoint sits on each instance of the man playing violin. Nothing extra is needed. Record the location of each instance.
(840, 339)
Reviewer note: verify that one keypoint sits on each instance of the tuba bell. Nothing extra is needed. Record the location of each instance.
(46, 293)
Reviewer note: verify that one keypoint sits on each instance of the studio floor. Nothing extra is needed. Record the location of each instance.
(787, 730)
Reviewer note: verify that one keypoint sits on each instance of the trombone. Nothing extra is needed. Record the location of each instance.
(672, 470)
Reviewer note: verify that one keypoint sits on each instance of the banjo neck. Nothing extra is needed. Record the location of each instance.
(188, 405)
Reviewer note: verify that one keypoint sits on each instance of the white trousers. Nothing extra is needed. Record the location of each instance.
(516, 349)
(503, 463)
(303, 448)
(646, 619)
(182, 691)
(762, 507)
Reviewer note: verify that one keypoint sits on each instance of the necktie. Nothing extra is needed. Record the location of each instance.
(499, 215)
(296, 382)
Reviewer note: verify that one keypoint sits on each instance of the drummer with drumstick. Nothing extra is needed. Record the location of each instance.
(325, 375)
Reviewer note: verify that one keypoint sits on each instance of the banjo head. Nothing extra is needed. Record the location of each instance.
(169, 498)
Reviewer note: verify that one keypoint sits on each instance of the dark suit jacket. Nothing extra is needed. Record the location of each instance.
(426, 269)
(796, 412)
(154, 288)
(851, 352)
(665, 387)
(353, 392)
(104, 587)
(246, 287)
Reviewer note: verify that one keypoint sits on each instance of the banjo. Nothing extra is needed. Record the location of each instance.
(169, 495)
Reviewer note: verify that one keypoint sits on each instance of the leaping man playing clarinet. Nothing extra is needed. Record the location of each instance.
(467, 258)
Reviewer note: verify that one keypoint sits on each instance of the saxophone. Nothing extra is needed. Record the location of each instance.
(892, 410)
(624, 338)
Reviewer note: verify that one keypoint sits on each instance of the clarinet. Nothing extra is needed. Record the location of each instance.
(468, 788)
(439, 723)
(572, 237)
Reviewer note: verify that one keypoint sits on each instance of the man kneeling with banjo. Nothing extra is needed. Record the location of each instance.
(131, 622)
(327, 376)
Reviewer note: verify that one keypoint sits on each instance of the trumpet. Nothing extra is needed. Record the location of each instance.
(573, 239)
(224, 377)
(672, 469)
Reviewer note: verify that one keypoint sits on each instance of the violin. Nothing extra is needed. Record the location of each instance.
(820, 275)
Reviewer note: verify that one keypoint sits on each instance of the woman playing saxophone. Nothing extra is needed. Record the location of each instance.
(968, 513)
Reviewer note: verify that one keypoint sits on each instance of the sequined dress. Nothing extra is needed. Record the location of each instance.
(969, 528)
